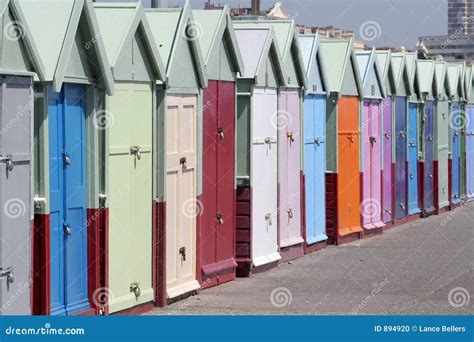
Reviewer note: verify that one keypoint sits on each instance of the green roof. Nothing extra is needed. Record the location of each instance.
(469, 80)
(426, 76)
(454, 78)
(441, 77)
(367, 61)
(401, 71)
(310, 45)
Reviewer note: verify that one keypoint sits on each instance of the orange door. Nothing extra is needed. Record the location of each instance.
(348, 170)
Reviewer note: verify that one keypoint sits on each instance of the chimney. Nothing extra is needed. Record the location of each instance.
(255, 7)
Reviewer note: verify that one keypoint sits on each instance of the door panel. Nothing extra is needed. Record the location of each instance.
(264, 177)
(443, 152)
(320, 167)
(15, 184)
(67, 164)
(181, 208)
(428, 205)
(455, 135)
(412, 176)
(348, 166)
(366, 205)
(375, 163)
(310, 167)
(401, 157)
(387, 160)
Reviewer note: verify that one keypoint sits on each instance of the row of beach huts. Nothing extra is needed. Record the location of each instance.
(149, 154)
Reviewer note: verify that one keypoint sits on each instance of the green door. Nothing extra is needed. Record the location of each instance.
(130, 195)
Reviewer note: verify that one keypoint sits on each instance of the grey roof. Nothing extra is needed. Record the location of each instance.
(166, 24)
(441, 77)
(215, 24)
(367, 61)
(410, 59)
(340, 53)
(401, 71)
(54, 42)
(310, 51)
(469, 80)
(454, 77)
(26, 37)
(426, 76)
(127, 19)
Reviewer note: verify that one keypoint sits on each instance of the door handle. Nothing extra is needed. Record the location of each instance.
(219, 218)
(402, 135)
(182, 252)
(430, 176)
(402, 206)
(387, 136)
(290, 213)
(388, 211)
(430, 138)
(290, 136)
(8, 273)
(412, 144)
(8, 161)
(135, 150)
(268, 218)
(412, 176)
(268, 140)
(373, 140)
(220, 133)
(66, 159)
(317, 141)
(183, 163)
(351, 138)
(67, 229)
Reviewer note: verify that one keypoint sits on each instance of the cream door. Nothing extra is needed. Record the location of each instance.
(181, 206)
(130, 196)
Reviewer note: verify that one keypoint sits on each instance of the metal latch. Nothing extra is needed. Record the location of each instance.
(412, 176)
(268, 140)
(38, 201)
(412, 144)
(290, 136)
(430, 138)
(430, 176)
(443, 115)
(219, 218)
(182, 252)
(8, 273)
(402, 205)
(220, 133)
(317, 141)
(67, 229)
(183, 163)
(387, 136)
(66, 159)
(373, 140)
(388, 211)
(135, 288)
(102, 199)
(402, 135)
(268, 218)
(135, 150)
(8, 161)
(290, 213)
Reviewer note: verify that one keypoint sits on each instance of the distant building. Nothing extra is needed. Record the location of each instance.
(460, 17)
(331, 32)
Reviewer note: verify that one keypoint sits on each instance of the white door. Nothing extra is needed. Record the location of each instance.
(181, 206)
(264, 177)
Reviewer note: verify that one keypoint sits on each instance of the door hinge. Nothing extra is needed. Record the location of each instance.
(7, 273)
(8, 161)
(102, 199)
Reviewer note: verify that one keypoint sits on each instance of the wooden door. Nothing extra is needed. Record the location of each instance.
(456, 138)
(428, 181)
(387, 180)
(412, 176)
(130, 195)
(375, 165)
(470, 151)
(181, 206)
(443, 153)
(401, 157)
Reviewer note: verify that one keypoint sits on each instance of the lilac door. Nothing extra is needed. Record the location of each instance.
(387, 160)
(400, 158)
(289, 150)
(428, 205)
(470, 152)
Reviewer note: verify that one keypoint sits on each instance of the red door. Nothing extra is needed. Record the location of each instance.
(216, 206)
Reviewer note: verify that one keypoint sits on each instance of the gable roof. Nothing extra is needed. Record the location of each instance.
(265, 43)
(410, 59)
(441, 77)
(401, 71)
(167, 25)
(25, 38)
(310, 46)
(367, 61)
(469, 80)
(454, 77)
(384, 58)
(128, 18)
(285, 33)
(55, 42)
(462, 76)
(426, 76)
(340, 53)
(215, 25)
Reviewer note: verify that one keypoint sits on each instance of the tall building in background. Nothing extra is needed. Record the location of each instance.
(460, 17)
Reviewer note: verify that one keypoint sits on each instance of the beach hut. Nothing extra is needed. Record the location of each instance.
(470, 133)
(343, 222)
(216, 224)
(384, 58)
(77, 74)
(455, 119)
(19, 64)
(441, 139)
(462, 130)
(314, 143)
(288, 121)
(256, 151)
(401, 143)
(427, 91)
(127, 155)
(413, 138)
(371, 142)
(178, 164)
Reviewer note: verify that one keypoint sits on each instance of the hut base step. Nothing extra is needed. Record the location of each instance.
(291, 252)
(315, 246)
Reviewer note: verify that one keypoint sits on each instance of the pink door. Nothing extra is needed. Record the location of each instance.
(376, 165)
(289, 150)
(366, 205)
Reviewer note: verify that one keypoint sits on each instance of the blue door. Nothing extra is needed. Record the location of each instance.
(67, 164)
(456, 141)
(401, 158)
(413, 207)
(315, 167)
(428, 179)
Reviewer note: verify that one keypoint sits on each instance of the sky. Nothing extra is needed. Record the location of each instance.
(380, 23)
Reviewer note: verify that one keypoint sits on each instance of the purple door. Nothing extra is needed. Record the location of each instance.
(428, 205)
(387, 159)
(401, 157)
